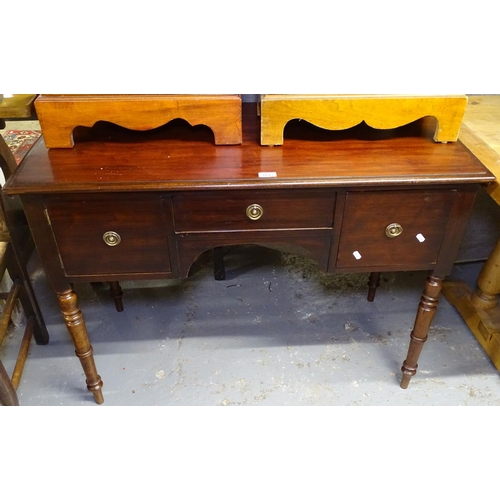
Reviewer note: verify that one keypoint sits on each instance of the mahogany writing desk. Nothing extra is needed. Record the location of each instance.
(127, 205)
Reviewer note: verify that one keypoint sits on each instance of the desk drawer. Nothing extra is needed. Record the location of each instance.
(105, 234)
(240, 211)
(394, 229)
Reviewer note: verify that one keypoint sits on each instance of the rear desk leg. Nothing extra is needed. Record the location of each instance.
(116, 292)
(219, 266)
(373, 284)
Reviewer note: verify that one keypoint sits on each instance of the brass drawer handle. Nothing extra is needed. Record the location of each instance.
(255, 212)
(393, 230)
(111, 238)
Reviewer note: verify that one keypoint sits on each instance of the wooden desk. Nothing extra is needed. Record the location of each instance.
(129, 206)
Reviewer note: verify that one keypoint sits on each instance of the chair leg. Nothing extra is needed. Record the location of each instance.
(8, 396)
(116, 292)
(10, 303)
(373, 284)
(219, 267)
(18, 272)
(23, 351)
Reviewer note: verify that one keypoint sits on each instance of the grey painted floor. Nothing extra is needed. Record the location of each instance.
(276, 332)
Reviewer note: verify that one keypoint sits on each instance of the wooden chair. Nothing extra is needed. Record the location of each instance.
(16, 247)
(18, 106)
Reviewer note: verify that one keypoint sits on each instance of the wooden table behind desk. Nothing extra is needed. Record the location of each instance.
(480, 133)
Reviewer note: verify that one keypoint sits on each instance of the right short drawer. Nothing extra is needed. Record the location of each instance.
(394, 228)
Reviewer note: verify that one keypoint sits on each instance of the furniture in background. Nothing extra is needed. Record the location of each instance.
(16, 247)
(125, 206)
(479, 308)
(16, 106)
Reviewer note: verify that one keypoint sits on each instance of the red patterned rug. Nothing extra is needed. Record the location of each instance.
(20, 141)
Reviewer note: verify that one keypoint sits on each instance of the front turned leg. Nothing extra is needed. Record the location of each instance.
(78, 331)
(426, 311)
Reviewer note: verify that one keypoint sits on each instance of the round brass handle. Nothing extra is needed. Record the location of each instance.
(111, 238)
(255, 212)
(393, 230)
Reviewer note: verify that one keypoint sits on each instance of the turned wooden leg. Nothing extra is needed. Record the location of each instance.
(488, 282)
(78, 331)
(115, 290)
(219, 267)
(426, 311)
(373, 284)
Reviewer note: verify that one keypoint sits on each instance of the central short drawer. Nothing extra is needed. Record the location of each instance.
(254, 210)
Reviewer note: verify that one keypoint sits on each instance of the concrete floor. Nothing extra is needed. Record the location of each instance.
(276, 332)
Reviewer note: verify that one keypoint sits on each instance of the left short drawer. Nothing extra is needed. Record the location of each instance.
(110, 234)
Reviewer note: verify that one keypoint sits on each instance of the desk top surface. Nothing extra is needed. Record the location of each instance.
(180, 157)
